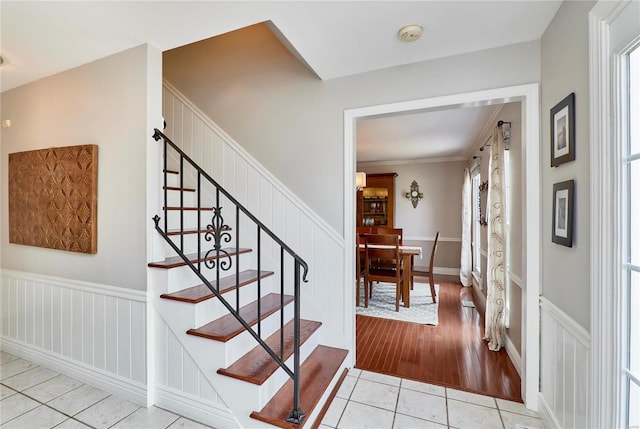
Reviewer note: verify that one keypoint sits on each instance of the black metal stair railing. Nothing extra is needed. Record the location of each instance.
(220, 259)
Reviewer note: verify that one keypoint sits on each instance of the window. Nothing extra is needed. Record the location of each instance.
(631, 249)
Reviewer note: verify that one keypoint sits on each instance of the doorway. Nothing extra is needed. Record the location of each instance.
(529, 98)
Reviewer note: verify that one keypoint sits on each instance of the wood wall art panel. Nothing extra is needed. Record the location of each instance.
(53, 198)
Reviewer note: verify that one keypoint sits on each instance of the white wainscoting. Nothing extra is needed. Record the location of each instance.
(276, 206)
(92, 332)
(181, 387)
(564, 354)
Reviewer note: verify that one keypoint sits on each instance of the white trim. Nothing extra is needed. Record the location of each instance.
(448, 239)
(516, 280)
(514, 354)
(570, 325)
(529, 95)
(412, 161)
(301, 205)
(549, 419)
(605, 207)
(101, 289)
(107, 381)
(194, 408)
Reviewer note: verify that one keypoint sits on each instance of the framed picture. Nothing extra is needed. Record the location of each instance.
(563, 129)
(562, 231)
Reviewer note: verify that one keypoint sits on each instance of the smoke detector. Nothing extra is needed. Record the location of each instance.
(410, 33)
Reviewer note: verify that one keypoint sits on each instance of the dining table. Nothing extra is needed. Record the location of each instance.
(406, 253)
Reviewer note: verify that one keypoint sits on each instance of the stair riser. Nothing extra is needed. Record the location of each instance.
(213, 308)
(190, 244)
(195, 315)
(189, 198)
(178, 278)
(242, 343)
(251, 396)
(270, 387)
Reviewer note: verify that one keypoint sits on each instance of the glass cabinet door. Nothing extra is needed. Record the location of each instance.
(374, 206)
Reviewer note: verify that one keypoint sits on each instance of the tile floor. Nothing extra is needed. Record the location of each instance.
(370, 400)
(33, 397)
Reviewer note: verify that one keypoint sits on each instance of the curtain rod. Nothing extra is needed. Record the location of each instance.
(500, 124)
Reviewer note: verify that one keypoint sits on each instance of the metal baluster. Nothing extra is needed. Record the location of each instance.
(238, 259)
(165, 185)
(297, 415)
(199, 225)
(259, 290)
(281, 303)
(217, 247)
(181, 204)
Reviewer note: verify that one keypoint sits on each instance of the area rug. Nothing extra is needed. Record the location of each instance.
(383, 304)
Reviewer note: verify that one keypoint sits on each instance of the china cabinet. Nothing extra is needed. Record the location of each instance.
(375, 204)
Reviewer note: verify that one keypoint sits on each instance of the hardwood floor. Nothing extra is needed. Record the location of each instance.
(451, 354)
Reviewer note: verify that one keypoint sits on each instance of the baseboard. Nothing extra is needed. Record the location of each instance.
(439, 270)
(109, 382)
(194, 408)
(550, 421)
(514, 355)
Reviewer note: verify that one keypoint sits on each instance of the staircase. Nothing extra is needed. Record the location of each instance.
(231, 295)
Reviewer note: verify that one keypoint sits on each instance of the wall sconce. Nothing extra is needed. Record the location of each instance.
(414, 195)
(361, 180)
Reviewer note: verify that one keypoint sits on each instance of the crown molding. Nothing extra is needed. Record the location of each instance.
(412, 161)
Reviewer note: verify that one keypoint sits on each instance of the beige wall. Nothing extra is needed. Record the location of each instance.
(565, 69)
(103, 103)
(439, 210)
(279, 111)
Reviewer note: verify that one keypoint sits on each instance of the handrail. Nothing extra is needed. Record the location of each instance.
(220, 259)
(158, 135)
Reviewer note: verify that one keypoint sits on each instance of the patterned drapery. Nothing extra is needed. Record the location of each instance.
(465, 248)
(496, 270)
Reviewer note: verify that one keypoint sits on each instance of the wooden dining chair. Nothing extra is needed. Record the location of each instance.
(383, 230)
(433, 255)
(373, 272)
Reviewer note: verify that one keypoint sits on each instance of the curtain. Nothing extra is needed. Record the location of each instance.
(496, 270)
(465, 249)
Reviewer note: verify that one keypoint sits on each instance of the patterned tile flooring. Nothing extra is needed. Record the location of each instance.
(32, 396)
(371, 400)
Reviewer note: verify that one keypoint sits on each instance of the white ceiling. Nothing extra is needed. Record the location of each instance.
(334, 38)
(440, 134)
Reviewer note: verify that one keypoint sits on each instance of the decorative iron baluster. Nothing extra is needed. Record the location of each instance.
(218, 232)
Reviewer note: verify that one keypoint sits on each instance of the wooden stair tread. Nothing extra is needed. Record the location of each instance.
(177, 188)
(204, 209)
(194, 230)
(176, 261)
(201, 292)
(316, 374)
(227, 327)
(257, 366)
(171, 171)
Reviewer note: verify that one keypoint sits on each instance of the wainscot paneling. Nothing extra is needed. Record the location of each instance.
(564, 355)
(181, 387)
(275, 205)
(95, 333)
